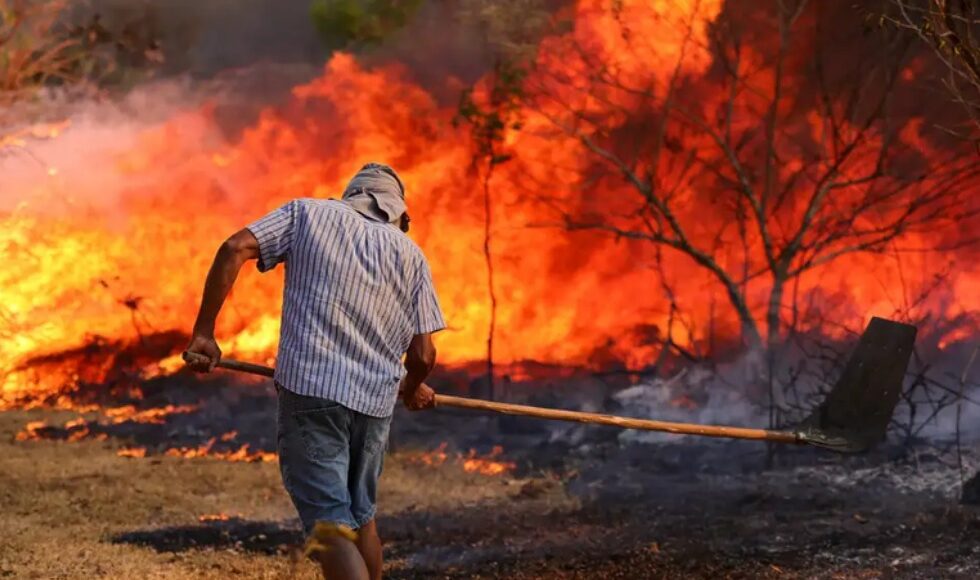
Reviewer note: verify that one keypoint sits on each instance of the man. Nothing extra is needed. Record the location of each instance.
(358, 297)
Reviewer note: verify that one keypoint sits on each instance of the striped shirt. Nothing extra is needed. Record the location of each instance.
(357, 290)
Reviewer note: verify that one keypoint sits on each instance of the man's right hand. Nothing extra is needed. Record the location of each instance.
(202, 354)
(422, 397)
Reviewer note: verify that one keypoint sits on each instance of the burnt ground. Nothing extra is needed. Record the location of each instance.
(581, 503)
(707, 509)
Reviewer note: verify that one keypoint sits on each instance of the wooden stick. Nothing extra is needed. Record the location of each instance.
(616, 421)
(245, 367)
(575, 416)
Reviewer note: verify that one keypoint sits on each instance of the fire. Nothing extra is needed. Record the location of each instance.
(222, 517)
(110, 246)
(156, 415)
(491, 464)
(243, 453)
(81, 428)
(488, 465)
(31, 431)
(134, 452)
(433, 458)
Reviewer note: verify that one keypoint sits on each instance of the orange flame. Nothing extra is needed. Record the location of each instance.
(488, 465)
(116, 241)
(134, 452)
(222, 517)
(31, 431)
(80, 428)
(243, 453)
(155, 415)
(491, 464)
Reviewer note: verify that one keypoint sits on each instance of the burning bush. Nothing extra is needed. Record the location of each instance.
(688, 180)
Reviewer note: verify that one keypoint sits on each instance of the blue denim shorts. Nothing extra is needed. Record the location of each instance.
(330, 458)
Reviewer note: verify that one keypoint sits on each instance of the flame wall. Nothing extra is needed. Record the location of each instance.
(110, 223)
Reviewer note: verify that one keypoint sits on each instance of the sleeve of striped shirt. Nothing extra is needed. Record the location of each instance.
(274, 232)
(428, 314)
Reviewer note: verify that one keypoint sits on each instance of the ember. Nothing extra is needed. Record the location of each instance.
(132, 452)
(487, 465)
(491, 464)
(30, 431)
(243, 453)
(80, 428)
(155, 415)
(214, 518)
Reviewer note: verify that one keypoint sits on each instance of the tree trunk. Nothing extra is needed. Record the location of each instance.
(750, 330)
(777, 402)
(491, 292)
(773, 321)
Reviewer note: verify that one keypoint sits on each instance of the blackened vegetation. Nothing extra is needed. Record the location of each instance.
(593, 503)
(265, 537)
(971, 491)
(680, 507)
(644, 522)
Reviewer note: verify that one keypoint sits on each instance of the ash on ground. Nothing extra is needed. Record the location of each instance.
(594, 502)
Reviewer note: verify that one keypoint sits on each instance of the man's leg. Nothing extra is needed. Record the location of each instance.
(369, 545)
(314, 458)
(369, 437)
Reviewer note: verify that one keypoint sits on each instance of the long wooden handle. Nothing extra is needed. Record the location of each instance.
(576, 416)
(617, 421)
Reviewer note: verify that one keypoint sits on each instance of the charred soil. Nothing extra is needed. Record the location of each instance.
(571, 503)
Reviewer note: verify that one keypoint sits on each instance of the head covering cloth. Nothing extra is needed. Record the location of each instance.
(377, 193)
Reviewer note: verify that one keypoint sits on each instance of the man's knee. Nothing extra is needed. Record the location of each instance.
(367, 537)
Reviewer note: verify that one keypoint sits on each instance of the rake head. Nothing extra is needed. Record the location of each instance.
(855, 414)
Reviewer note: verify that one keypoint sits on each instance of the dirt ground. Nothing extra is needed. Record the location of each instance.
(595, 510)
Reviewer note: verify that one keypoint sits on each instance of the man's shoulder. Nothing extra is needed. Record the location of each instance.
(318, 204)
(415, 253)
(341, 210)
(333, 210)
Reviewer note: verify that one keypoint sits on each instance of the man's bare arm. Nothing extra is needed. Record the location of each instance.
(420, 359)
(228, 262)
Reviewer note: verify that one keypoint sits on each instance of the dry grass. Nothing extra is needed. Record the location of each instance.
(63, 503)
(31, 52)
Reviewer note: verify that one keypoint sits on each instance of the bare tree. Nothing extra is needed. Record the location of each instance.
(510, 30)
(489, 119)
(952, 29)
(786, 140)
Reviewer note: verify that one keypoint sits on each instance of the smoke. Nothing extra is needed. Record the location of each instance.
(942, 385)
(67, 155)
(205, 38)
(723, 396)
(694, 395)
(442, 41)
